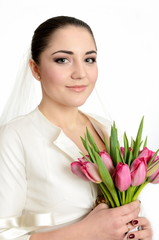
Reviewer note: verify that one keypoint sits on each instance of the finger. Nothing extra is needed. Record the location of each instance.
(129, 227)
(128, 208)
(142, 223)
(143, 234)
(101, 206)
(124, 230)
(132, 215)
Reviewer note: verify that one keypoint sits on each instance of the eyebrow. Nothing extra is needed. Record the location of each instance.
(71, 53)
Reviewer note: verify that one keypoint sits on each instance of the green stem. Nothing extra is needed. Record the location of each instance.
(129, 194)
(119, 197)
(136, 194)
(107, 195)
(123, 198)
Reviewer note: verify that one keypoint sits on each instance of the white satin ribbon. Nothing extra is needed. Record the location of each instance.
(14, 227)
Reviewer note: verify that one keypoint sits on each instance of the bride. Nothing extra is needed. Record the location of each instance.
(40, 198)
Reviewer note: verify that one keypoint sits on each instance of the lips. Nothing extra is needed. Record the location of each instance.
(77, 88)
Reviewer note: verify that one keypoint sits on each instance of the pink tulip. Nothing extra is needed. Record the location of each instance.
(107, 161)
(138, 171)
(86, 170)
(122, 150)
(146, 154)
(84, 159)
(122, 176)
(154, 178)
(156, 161)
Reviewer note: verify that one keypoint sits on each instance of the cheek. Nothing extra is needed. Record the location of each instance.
(52, 77)
(94, 76)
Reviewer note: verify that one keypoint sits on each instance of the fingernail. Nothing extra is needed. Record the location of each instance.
(135, 222)
(131, 236)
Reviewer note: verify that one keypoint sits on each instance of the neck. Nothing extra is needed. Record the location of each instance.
(62, 116)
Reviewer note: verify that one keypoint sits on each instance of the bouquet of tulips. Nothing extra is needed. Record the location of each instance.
(121, 172)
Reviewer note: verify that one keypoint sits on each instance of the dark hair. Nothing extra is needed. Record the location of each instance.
(44, 31)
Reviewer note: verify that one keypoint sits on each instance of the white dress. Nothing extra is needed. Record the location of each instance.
(38, 191)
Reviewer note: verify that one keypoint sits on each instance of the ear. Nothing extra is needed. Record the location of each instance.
(34, 69)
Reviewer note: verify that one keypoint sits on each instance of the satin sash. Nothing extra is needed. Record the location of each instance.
(15, 227)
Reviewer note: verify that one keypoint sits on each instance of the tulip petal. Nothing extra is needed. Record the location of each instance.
(154, 178)
(122, 150)
(91, 172)
(107, 161)
(138, 171)
(146, 154)
(76, 169)
(84, 159)
(122, 176)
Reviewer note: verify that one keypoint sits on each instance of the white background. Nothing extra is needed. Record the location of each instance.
(127, 35)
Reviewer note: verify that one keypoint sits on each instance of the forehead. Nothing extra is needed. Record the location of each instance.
(72, 37)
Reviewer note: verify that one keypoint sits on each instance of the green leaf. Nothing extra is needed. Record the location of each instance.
(119, 156)
(114, 144)
(145, 143)
(130, 158)
(91, 140)
(132, 143)
(137, 143)
(106, 178)
(84, 143)
(126, 147)
(106, 146)
(92, 157)
(88, 148)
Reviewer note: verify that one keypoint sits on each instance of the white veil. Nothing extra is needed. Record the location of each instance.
(23, 97)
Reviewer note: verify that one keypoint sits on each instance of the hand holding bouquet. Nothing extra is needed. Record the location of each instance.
(121, 172)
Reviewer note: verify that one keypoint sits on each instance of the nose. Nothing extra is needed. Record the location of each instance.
(78, 71)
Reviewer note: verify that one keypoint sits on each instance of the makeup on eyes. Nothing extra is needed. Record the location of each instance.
(63, 56)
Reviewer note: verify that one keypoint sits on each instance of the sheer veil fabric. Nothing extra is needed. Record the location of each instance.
(24, 95)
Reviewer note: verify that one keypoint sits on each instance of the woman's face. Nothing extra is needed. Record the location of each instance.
(68, 69)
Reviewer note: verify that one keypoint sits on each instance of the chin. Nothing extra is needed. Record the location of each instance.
(79, 103)
(75, 105)
(76, 101)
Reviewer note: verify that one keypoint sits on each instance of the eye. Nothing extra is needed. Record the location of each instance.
(61, 60)
(90, 60)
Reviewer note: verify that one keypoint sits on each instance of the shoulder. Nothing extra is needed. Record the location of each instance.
(29, 128)
(14, 127)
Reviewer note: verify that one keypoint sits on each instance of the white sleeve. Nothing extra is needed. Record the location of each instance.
(13, 183)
